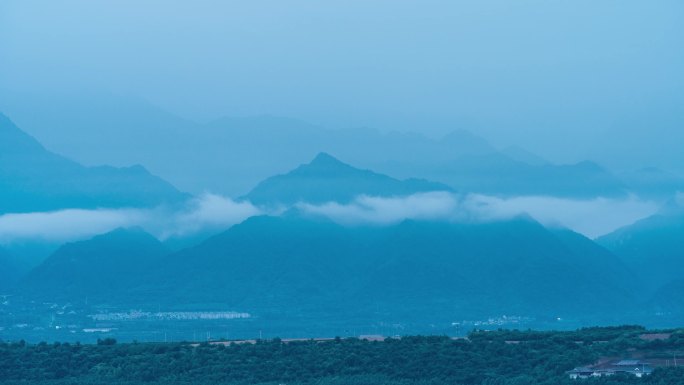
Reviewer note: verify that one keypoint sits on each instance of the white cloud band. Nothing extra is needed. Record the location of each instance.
(593, 217)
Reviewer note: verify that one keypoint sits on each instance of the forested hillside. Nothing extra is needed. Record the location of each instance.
(484, 358)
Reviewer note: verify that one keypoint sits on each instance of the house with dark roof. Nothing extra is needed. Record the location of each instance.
(636, 368)
(581, 372)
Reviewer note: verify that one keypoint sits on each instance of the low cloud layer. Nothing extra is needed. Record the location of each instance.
(207, 212)
(215, 213)
(377, 210)
(65, 225)
(592, 218)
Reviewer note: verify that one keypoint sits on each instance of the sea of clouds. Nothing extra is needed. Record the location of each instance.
(205, 213)
(593, 217)
(210, 212)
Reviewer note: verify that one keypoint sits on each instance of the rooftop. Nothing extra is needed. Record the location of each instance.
(628, 363)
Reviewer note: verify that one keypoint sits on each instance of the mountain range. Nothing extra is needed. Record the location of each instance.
(35, 179)
(239, 152)
(498, 174)
(653, 183)
(300, 264)
(326, 179)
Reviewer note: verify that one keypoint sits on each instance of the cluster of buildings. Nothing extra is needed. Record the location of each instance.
(169, 316)
(633, 367)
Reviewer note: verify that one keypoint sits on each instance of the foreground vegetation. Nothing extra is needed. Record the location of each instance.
(485, 358)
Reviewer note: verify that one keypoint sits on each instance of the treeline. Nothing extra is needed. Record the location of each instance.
(620, 338)
(486, 358)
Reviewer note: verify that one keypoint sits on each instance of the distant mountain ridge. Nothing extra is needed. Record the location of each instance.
(326, 179)
(652, 182)
(498, 174)
(34, 179)
(272, 145)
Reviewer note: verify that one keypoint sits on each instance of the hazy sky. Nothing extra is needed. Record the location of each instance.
(553, 76)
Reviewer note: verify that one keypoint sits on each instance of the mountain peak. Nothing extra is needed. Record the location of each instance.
(102, 264)
(327, 160)
(326, 179)
(325, 165)
(126, 233)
